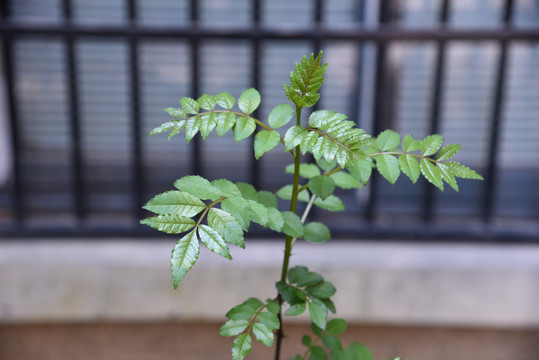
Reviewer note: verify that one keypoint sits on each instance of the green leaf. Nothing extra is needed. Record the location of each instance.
(207, 124)
(336, 326)
(316, 232)
(233, 327)
(431, 144)
(227, 226)
(285, 193)
(431, 173)
(287, 292)
(243, 128)
(170, 223)
(305, 170)
(226, 187)
(198, 186)
(174, 125)
(388, 140)
(448, 151)
(265, 141)
(263, 334)
(295, 273)
(410, 167)
(294, 136)
(275, 219)
(318, 353)
(280, 115)
(269, 319)
(326, 165)
(241, 346)
(292, 224)
(359, 351)
(273, 306)
(224, 122)
(213, 241)
(322, 186)
(330, 305)
(192, 127)
(267, 199)
(206, 102)
(409, 144)
(332, 203)
(447, 176)
(259, 213)
(296, 309)
(248, 191)
(225, 100)
(245, 310)
(462, 171)
(307, 142)
(175, 202)
(318, 312)
(177, 113)
(249, 101)
(332, 343)
(361, 170)
(345, 181)
(306, 340)
(189, 105)
(388, 167)
(239, 208)
(323, 290)
(184, 256)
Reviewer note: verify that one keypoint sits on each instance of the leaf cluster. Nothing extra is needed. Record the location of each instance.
(305, 81)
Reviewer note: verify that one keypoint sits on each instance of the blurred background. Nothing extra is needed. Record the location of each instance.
(83, 82)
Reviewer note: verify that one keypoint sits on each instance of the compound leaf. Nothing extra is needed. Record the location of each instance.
(249, 101)
(265, 141)
(184, 256)
(175, 202)
(213, 241)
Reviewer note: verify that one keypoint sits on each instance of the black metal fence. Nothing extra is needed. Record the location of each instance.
(374, 214)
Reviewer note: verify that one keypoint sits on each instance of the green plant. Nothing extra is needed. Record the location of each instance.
(219, 212)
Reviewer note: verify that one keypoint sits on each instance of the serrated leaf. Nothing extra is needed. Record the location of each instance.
(296, 309)
(431, 173)
(192, 126)
(388, 140)
(275, 219)
(226, 187)
(206, 102)
(388, 167)
(305, 170)
(322, 186)
(447, 176)
(177, 113)
(336, 326)
(189, 105)
(224, 122)
(259, 213)
(361, 170)
(175, 202)
(249, 101)
(263, 334)
(307, 142)
(431, 144)
(170, 223)
(207, 124)
(213, 241)
(184, 255)
(173, 125)
(239, 208)
(316, 232)
(448, 151)
(280, 115)
(248, 191)
(332, 203)
(294, 136)
(225, 100)
(269, 319)
(285, 193)
(410, 167)
(323, 290)
(227, 226)
(345, 181)
(326, 165)
(292, 224)
(241, 347)
(462, 171)
(267, 199)
(318, 312)
(265, 141)
(243, 128)
(233, 327)
(245, 310)
(198, 186)
(409, 144)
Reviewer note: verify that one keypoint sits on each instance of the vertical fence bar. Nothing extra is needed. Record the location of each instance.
(355, 98)
(16, 147)
(380, 105)
(318, 13)
(74, 116)
(136, 130)
(434, 115)
(495, 119)
(255, 82)
(196, 166)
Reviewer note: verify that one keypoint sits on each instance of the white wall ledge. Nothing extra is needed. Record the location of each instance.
(386, 283)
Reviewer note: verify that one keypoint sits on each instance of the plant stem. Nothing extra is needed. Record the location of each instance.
(289, 241)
